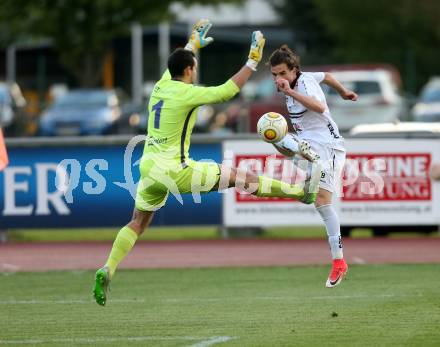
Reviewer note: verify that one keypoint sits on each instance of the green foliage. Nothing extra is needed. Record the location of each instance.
(388, 305)
(311, 39)
(81, 30)
(405, 33)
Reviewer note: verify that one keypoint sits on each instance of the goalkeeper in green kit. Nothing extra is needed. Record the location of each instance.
(165, 165)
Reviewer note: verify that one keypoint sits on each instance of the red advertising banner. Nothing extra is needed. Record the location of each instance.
(387, 177)
(271, 165)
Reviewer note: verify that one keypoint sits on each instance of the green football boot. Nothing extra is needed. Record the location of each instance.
(309, 198)
(311, 186)
(102, 283)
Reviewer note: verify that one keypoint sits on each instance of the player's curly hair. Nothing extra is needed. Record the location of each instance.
(284, 55)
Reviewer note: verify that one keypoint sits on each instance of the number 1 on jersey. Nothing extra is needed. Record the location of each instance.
(157, 108)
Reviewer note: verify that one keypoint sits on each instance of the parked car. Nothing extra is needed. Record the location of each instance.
(397, 130)
(378, 87)
(256, 98)
(12, 104)
(89, 112)
(134, 119)
(427, 109)
(379, 99)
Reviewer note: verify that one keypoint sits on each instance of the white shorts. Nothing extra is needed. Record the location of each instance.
(332, 161)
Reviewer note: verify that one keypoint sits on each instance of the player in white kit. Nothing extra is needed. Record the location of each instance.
(313, 124)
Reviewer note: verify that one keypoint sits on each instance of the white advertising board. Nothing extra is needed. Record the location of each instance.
(385, 182)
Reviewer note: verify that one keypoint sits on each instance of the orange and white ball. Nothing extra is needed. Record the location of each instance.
(272, 127)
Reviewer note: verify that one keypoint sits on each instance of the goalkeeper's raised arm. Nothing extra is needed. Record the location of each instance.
(183, 66)
(198, 37)
(199, 40)
(254, 57)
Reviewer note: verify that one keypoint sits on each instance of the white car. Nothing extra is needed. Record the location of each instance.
(379, 99)
(397, 129)
(427, 109)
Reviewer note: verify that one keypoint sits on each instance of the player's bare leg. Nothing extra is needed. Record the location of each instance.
(262, 186)
(331, 220)
(293, 147)
(122, 245)
(140, 221)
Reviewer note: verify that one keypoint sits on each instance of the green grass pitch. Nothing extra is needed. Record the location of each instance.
(386, 305)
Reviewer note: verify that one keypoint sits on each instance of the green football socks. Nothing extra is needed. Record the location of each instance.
(124, 242)
(269, 187)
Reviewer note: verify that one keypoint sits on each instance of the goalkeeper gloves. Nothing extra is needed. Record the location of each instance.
(256, 51)
(197, 39)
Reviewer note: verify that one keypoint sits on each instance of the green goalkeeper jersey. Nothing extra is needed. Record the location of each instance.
(172, 112)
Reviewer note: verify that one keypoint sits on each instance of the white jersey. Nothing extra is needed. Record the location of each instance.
(310, 125)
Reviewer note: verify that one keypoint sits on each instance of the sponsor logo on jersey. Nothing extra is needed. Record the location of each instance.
(156, 141)
(332, 131)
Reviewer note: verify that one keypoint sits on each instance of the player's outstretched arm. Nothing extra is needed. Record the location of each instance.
(209, 95)
(254, 57)
(196, 40)
(198, 37)
(345, 93)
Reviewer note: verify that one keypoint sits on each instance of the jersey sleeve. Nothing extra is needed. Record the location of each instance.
(197, 95)
(310, 87)
(318, 76)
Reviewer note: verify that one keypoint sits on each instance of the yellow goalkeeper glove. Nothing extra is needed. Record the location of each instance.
(256, 51)
(197, 39)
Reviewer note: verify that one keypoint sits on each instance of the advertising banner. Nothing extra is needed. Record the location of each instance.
(384, 182)
(400, 191)
(90, 186)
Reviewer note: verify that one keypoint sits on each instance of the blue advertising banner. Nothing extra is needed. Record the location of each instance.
(93, 188)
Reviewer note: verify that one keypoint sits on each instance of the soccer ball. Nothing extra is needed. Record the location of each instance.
(272, 127)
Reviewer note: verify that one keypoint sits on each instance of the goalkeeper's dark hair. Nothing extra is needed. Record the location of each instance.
(179, 60)
(284, 55)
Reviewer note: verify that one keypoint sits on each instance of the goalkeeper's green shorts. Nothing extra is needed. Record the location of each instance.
(158, 180)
